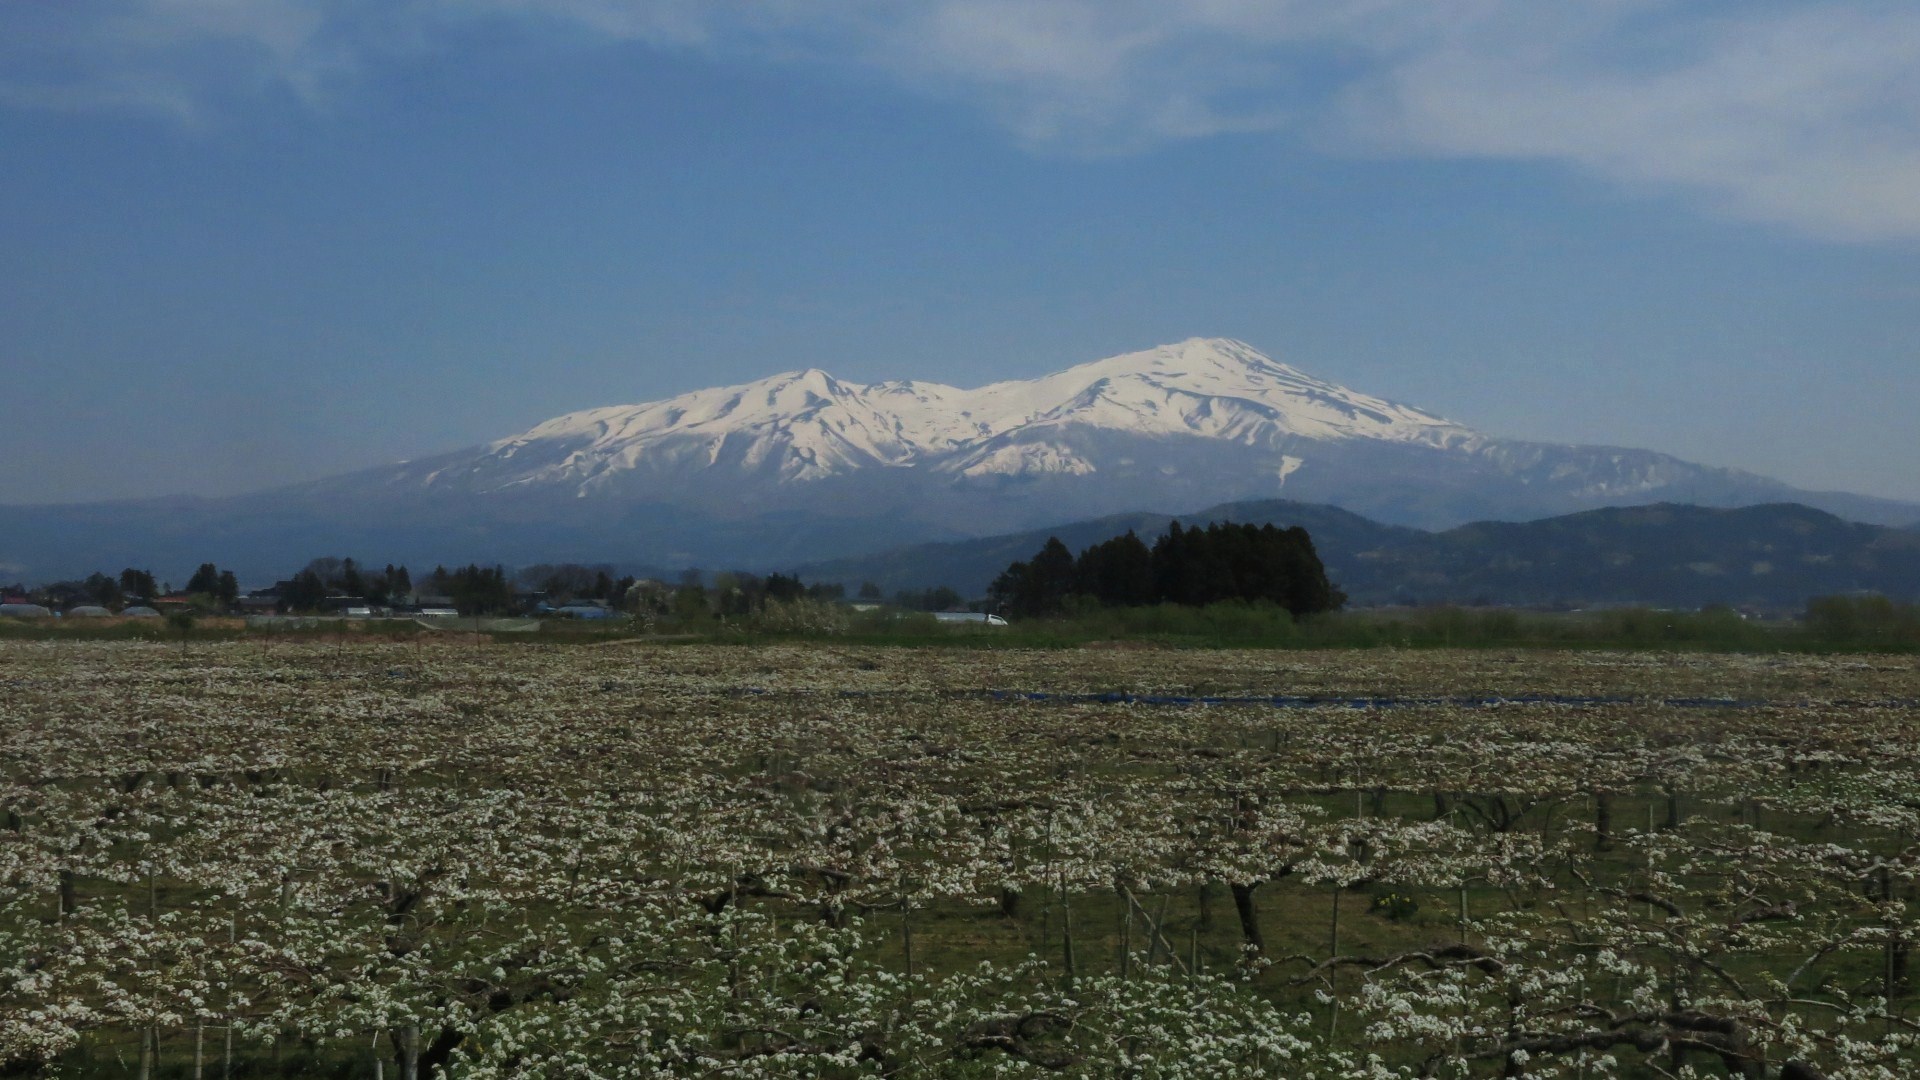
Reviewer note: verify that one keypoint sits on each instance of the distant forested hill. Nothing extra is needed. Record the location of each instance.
(971, 565)
(1773, 556)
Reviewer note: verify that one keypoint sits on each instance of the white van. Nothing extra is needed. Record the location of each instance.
(979, 617)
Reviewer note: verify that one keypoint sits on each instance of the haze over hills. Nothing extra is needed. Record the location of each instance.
(1772, 557)
(804, 466)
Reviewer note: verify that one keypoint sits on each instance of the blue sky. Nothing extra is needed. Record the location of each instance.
(244, 243)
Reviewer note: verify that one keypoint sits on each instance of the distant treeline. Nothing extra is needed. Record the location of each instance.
(130, 586)
(1259, 564)
(336, 583)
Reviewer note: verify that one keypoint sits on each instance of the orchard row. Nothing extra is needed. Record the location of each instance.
(510, 860)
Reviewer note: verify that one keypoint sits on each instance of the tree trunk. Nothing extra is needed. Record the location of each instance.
(433, 1061)
(1603, 821)
(1333, 934)
(406, 1051)
(1249, 915)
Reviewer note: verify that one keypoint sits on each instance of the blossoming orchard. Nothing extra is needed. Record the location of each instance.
(476, 860)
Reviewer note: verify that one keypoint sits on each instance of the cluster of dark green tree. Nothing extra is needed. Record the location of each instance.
(730, 593)
(938, 598)
(1863, 620)
(474, 589)
(1193, 567)
(217, 585)
(565, 582)
(327, 577)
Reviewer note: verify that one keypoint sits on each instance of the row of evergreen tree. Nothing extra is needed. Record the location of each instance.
(1198, 566)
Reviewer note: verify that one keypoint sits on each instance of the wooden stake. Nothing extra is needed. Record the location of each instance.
(1066, 933)
(906, 939)
(232, 926)
(1333, 976)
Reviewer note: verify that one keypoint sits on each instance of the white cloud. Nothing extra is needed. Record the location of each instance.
(1809, 117)
(1805, 114)
(179, 58)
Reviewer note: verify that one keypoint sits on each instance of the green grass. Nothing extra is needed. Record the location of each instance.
(1856, 626)
(1240, 625)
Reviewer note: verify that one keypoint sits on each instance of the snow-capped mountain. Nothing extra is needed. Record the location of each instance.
(803, 466)
(1198, 421)
(807, 425)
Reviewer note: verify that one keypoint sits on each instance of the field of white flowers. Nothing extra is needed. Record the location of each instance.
(477, 860)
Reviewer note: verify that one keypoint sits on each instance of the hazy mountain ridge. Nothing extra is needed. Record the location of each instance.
(1772, 556)
(1764, 556)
